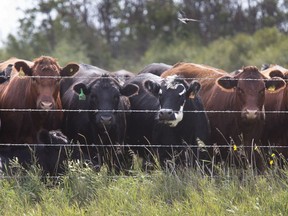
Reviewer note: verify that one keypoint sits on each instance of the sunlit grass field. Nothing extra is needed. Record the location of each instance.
(187, 191)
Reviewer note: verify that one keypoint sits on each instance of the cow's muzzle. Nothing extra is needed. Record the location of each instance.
(166, 115)
(251, 114)
(46, 105)
(106, 120)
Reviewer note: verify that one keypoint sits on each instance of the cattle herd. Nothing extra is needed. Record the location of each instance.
(182, 115)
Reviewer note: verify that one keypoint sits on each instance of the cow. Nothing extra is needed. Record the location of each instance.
(123, 75)
(48, 153)
(102, 120)
(181, 121)
(235, 105)
(141, 120)
(276, 101)
(33, 86)
(155, 68)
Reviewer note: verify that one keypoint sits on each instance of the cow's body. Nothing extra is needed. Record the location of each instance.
(105, 122)
(144, 105)
(27, 90)
(48, 153)
(51, 153)
(276, 101)
(242, 96)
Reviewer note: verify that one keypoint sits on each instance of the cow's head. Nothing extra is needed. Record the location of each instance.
(103, 95)
(173, 94)
(249, 89)
(46, 74)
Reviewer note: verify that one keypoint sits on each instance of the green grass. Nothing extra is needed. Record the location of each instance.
(82, 191)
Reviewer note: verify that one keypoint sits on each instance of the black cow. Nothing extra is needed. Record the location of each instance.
(155, 68)
(179, 123)
(123, 75)
(104, 121)
(49, 157)
(144, 105)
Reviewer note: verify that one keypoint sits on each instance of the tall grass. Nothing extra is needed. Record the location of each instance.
(82, 191)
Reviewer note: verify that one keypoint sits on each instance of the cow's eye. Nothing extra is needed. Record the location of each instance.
(262, 91)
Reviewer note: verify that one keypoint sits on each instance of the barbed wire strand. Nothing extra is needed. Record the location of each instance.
(140, 145)
(183, 78)
(133, 111)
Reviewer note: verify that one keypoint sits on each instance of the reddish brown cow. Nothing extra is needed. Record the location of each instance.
(276, 101)
(242, 95)
(33, 85)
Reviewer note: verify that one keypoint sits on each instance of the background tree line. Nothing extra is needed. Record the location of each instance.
(116, 34)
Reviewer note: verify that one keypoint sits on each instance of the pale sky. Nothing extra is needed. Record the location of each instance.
(9, 16)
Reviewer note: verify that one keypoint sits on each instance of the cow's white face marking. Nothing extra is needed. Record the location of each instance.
(183, 91)
(173, 91)
(178, 117)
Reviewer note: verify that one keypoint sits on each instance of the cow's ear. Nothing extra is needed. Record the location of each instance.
(69, 70)
(43, 137)
(227, 82)
(23, 67)
(276, 73)
(152, 87)
(193, 89)
(81, 89)
(129, 90)
(274, 84)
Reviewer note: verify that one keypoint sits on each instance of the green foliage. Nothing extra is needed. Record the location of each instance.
(130, 34)
(267, 45)
(68, 51)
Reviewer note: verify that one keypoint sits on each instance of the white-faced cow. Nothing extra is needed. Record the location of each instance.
(182, 120)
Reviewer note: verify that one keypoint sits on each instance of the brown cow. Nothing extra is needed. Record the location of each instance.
(276, 101)
(242, 95)
(32, 85)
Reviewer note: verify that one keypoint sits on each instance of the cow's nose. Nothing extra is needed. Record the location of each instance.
(251, 114)
(166, 114)
(106, 120)
(46, 105)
